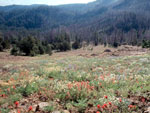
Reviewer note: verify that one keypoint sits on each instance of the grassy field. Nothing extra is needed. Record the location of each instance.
(67, 82)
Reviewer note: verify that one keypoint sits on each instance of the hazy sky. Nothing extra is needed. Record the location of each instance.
(49, 2)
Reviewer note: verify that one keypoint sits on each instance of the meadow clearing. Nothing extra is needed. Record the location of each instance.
(80, 81)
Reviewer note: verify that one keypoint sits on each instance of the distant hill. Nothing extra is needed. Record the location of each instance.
(109, 18)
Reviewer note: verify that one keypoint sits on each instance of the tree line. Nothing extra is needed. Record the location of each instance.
(32, 46)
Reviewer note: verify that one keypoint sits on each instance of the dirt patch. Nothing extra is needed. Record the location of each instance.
(130, 50)
(98, 51)
(142, 101)
(7, 56)
(125, 51)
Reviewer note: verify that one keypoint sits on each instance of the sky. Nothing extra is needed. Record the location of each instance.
(48, 2)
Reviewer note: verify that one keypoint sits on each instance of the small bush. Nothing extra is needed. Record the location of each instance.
(115, 44)
(49, 49)
(55, 74)
(81, 105)
(146, 44)
(14, 98)
(29, 89)
(76, 45)
(14, 51)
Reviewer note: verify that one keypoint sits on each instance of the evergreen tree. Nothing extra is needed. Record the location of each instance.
(77, 43)
(105, 44)
(6, 44)
(96, 39)
(115, 45)
(62, 42)
(41, 49)
(49, 49)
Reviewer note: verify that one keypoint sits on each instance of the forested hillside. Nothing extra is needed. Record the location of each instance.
(109, 21)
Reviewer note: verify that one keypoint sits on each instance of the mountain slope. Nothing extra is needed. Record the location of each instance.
(107, 17)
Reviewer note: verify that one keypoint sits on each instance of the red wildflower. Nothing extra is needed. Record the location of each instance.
(105, 105)
(8, 89)
(30, 108)
(132, 106)
(69, 86)
(98, 106)
(109, 103)
(97, 112)
(14, 87)
(143, 100)
(92, 87)
(102, 77)
(68, 94)
(3, 95)
(120, 100)
(18, 111)
(100, 84)
(106, 97)
(16, 103)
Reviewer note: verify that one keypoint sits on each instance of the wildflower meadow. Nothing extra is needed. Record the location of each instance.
(75, 84)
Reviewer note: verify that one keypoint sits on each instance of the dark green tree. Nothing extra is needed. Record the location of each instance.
(41, 49)
(77, 43)
(49, 49)
(96, 39)
(146, 44)
(62, 42)
(15, 51)
(115, 44)
(105, 44)
(6, 44)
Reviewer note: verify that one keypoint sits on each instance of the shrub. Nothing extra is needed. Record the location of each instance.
(64, 46)
(49, 49)
(115, 44)
(146, 44)
(6, 44)
(28, 89)
(76, 45)
(32, 53)
(105, 44)
(14, 98)
(35, 50)
(81, 105)
(41, 50)
(14, 51)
